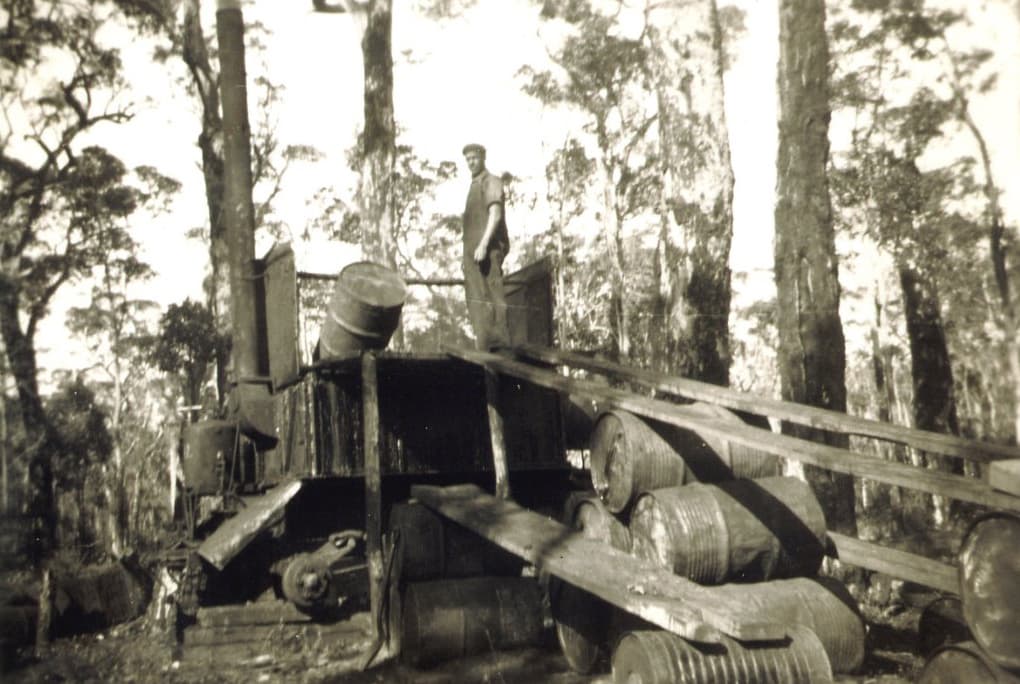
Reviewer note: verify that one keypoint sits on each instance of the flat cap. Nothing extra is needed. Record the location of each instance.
(473, 147)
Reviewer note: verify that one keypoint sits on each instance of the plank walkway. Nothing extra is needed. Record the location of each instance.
(669, 601)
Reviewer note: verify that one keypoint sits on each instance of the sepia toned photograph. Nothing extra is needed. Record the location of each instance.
(510, 341)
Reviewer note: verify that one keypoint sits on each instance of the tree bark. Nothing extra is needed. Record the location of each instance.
(697, 211)
(812, 354)
(40, 439)
(378, 138)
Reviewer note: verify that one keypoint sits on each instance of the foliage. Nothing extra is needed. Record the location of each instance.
(187, 343)
(81, 422)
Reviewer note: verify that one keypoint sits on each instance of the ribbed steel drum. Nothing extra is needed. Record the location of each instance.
(658, 657)
(964, 663)
(627, 457)
(942, 624)
(364, 309)
(989, 569)
(822, 604)
(448, 619)
(743, 530)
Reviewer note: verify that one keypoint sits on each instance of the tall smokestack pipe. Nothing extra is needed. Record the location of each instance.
(249, 400)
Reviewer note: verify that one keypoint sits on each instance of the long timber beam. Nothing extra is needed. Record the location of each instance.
(669, 601)
(821, 455)
(800, 414)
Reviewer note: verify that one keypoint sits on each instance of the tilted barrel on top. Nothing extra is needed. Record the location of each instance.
(658, 657)
(364, 310)
(989, 570)
(743, 530)
(630, 455)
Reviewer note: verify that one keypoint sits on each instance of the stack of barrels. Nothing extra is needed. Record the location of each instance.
(461, 594)
(716, 513)
(976, 637)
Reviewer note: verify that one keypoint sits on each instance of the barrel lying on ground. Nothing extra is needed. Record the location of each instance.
(630, 455)
(823, 605)
(364, 310)
(989, 567)
(964, 663)
(658, 657)
(448, 619)
(584, 623)
(744, 530)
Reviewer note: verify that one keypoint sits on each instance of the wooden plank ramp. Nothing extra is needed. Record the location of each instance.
(669, 601)
(828, 457)
(801, 414)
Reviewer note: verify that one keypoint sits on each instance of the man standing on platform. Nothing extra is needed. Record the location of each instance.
(486, 243)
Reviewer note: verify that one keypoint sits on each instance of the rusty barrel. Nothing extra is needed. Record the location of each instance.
(583, 620)
(742, 530)
(585, 512)
(942, 624)
(711, 458)
(434, 548)
(989, 570)
(964, 663)
(208, 452)
(627, 457)
(447, 619)
(658, 657)
(363, 311)
(823, 605)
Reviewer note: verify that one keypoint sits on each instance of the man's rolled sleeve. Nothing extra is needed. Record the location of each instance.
(492, 191)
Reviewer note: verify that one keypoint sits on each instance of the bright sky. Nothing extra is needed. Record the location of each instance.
(454, 82)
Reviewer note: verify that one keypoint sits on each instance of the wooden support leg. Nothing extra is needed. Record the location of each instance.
(496, 434)
(373, 487)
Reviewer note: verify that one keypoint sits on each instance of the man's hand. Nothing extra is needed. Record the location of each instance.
(481, 252)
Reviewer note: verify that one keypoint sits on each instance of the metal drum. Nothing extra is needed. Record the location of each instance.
(743, 530)
(628, 457)
(208, 452)
(454, 618)
(586, 513)
(658, 657)
(714, 459)
(989, 569)
(434, 548)
(942, 624)
(582, 626)
(964, 663)
(583, 620)
(823, 605)
(364, 310)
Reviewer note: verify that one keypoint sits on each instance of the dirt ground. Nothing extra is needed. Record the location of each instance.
(136, 652)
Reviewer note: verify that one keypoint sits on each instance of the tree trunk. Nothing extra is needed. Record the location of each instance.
(812, 354)
(697, 211)
(40, 439)
(612, 229)
(378, 138)
(210, 143)
(931, 370)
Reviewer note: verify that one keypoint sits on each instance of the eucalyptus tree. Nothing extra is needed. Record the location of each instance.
(60, 200)
(812, 350)
(601, 74)
(686, 61)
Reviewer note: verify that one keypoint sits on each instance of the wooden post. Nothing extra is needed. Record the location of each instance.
(45, 614)
(499, 463)
(373, 487)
